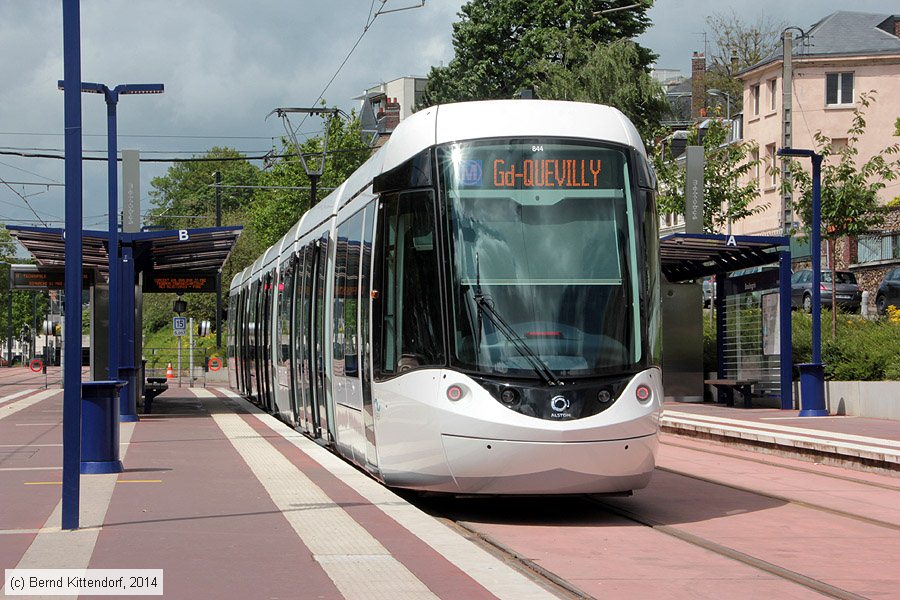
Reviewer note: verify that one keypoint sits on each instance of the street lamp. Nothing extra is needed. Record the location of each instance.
(112, 98)
(812, 378)
(715, 92)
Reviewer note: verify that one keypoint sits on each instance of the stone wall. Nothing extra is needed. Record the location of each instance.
(869, 275)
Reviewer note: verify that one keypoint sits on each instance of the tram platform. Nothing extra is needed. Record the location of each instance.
(848, 441)
(230, 503)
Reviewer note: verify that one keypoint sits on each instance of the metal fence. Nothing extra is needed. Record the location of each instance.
(185, 367)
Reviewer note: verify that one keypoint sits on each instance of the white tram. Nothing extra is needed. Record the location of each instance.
(475, 310)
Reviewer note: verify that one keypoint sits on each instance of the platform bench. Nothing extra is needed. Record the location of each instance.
(728, 386)
(153, 388)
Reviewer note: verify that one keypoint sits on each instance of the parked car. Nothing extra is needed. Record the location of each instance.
(888, 293)
(708, 287)
(847, 292)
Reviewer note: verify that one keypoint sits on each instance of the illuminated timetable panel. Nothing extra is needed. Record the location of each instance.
(180, 283)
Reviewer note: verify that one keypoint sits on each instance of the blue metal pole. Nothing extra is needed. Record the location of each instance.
(72, 372)
(816, 247)
(812, 376)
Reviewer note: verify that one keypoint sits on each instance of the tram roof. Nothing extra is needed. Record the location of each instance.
(191, 250)
(687, 256)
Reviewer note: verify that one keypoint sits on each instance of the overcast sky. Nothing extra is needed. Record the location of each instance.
(227, 63)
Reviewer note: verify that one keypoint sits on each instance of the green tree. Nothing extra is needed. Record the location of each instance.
(274, 210)
(503, 46)
(728, 191)
(849, 190)
(27, 307)
(185, 197)
(609, 74)
(265, 212)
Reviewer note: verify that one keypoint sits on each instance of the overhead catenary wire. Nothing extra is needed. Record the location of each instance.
(25, 200)
(370, 19)
(27, 154)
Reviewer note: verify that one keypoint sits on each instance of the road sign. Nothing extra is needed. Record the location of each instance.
(179, 326)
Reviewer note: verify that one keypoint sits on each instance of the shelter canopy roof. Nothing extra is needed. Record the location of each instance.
(186, 250)
(686, 256)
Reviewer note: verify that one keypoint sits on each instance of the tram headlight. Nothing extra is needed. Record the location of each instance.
(509, 396)
(643, 393)
(604, 396)
(455, 392)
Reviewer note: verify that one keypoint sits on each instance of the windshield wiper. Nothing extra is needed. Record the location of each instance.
(539, 366)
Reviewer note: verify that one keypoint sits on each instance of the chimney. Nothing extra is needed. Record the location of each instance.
(391, 114)
(897, 27)
(698, 84)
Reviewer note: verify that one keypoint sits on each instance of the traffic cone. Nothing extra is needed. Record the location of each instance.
(170, 374)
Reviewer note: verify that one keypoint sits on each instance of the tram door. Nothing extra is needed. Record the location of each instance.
(365, 345)
(260, 343)
(252, 331)
(264, 343)
(302, 342)
(269, 343)
(323, 414)
(284, 397)
(246, 362)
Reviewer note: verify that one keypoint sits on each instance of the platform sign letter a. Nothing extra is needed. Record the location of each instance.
(183, 235)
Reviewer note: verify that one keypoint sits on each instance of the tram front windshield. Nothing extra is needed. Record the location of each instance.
(542, 240)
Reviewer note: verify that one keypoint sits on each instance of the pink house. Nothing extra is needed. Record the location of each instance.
(842, 56)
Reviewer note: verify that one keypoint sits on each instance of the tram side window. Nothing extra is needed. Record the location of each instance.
(346, 302)
(411, 333)
(284, 305)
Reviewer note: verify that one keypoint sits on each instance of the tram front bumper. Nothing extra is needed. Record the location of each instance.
(486, 466)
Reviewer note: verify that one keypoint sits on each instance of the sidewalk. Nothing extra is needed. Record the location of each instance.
(855, 442)
(231, 503)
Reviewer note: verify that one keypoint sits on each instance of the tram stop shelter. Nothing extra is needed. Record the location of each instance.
(177, 261)
(752, 301)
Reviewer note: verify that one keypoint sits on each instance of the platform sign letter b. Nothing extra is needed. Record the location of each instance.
(183, 235)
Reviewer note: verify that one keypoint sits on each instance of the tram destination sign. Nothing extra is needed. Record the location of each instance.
(179, 283)
(544, 167)
(34, 277)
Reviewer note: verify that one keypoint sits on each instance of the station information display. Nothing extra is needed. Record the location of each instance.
(179, 283)
(33, 277)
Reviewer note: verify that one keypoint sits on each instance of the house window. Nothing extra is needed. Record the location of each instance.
(754, 99)
(838, 89)
(771, 87)
(754, 158)
(878, 247)
(770, 160)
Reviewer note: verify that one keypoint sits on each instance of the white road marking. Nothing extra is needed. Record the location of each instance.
(13, 407)
(493, 574)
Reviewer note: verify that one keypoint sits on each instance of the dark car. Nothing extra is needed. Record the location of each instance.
(888, 293)
(847, 292)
